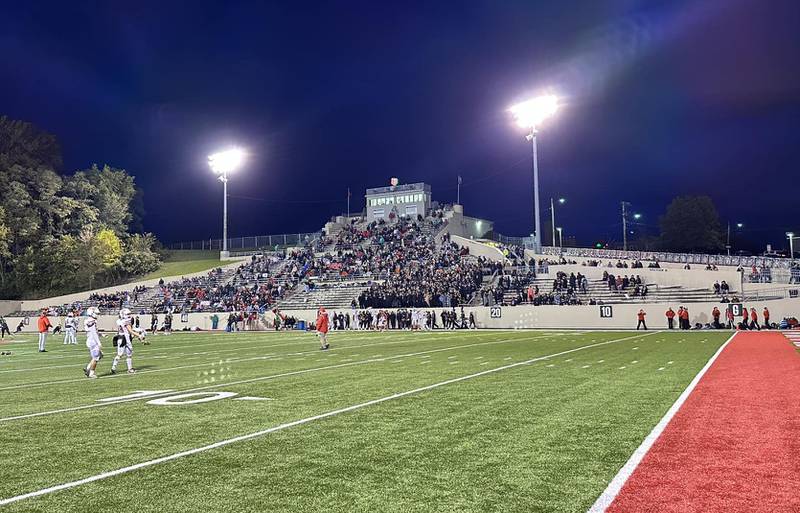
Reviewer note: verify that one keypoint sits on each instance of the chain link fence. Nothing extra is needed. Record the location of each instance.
(249, 243)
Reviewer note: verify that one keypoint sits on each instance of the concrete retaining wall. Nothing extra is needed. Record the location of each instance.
(623, 316)
(36, 304)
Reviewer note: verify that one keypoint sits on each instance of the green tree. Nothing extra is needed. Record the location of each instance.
(23, 144)
(691, 224)
(5, 247)
(140, 254)
(64, 233)
(113, 193)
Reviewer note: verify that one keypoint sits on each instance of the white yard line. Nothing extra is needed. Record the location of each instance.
(257, 434)
(607, 497)
(190, 347)
(272, 376)
(138, 356)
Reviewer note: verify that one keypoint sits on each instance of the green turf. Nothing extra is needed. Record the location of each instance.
(544, 436)
(182, 262)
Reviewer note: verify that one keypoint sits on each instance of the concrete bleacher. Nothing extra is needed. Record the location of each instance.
(598, 290)
(328, 296)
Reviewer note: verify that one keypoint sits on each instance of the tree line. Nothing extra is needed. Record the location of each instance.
(61, 233)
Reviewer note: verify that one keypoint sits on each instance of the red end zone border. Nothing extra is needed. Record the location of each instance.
(731, 443)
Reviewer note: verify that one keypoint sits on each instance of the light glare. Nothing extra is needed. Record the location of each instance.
(529, 114)
(226, 161)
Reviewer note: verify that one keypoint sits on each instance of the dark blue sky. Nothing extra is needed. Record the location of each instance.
(661, 99)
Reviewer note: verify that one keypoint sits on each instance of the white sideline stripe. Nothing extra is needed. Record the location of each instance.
(273, 376)
(280, 427)
(612, 490)
(188, 346)
(217, 359)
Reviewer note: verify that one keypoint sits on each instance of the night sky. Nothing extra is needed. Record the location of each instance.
(660, 99)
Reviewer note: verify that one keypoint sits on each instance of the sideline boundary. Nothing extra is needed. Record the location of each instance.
(615, 486)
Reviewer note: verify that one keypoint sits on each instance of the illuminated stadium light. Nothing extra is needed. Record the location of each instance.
(637, 216)
(222, 163)
(530, 114)
(227, 161)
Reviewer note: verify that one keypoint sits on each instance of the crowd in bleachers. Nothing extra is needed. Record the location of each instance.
(109, 301)
(254, 287)
(631, 283)
(418, 273)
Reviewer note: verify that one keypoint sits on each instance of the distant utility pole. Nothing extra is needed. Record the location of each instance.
(458, 191)
(728, 245)
(625, 226)
(348, 203)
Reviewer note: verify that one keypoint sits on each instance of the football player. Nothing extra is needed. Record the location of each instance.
(70, 328)
(92, 342)
(322, 328)
(123, 340)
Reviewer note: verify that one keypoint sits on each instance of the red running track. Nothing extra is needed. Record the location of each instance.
(734, 445)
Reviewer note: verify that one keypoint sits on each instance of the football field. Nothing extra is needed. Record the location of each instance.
(398, 421)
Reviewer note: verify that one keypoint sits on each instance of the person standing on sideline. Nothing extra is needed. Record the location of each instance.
(745, 322)
(670, 318)
(731, 319)
(715, 314)
(754, 320)
(641, 323)
(684, 318)
(766, 318)
(322, 328)
(44, 325)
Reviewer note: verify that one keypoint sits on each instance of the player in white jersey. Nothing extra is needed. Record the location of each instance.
(70, 329)
(92, 342)
(123, 341)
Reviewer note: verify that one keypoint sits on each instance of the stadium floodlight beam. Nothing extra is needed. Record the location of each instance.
(223, 163)
(530, 114)
(560, 239)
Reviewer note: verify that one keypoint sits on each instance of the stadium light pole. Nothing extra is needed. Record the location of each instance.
(561, 201)
(560, 239)
(728, 245)
(791, 237)
(625, 225)
(530, 114)
(223, 163)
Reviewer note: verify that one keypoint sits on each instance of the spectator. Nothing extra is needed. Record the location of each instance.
(670, 313)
